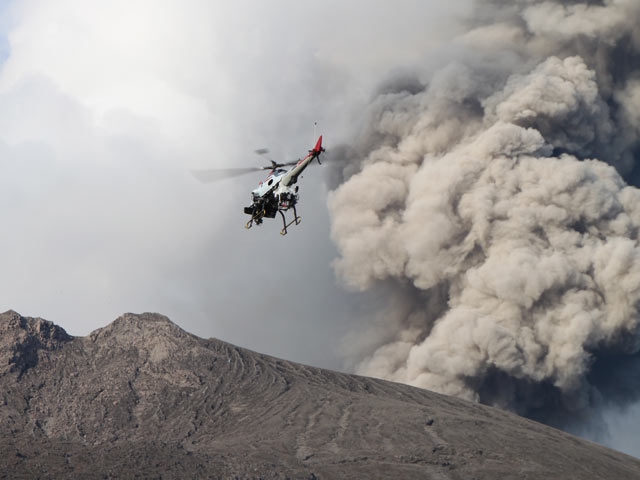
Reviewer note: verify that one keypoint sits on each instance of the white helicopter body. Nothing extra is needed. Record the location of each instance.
(275, 194)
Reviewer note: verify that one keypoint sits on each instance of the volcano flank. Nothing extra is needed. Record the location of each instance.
(141, 397)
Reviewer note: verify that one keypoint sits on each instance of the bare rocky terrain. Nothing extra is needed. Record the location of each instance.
(141, 398)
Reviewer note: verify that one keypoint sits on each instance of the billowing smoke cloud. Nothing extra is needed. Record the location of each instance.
(488, 195)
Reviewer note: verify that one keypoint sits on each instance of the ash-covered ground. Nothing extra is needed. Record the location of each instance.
(143, 398)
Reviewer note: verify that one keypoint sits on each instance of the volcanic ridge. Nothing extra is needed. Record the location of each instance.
(143, 398)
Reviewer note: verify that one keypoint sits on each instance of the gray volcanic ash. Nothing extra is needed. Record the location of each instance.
(143, 398)
(486, 196)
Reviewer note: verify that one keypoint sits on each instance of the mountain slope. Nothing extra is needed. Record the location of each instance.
(142, 396)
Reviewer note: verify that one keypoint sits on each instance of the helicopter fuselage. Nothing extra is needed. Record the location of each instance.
(277, 192)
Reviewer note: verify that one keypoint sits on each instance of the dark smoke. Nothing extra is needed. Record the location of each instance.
(489, 194)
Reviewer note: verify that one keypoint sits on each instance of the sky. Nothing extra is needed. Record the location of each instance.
(105, 107)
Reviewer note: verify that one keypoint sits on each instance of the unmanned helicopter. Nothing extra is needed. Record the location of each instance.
(275, 194)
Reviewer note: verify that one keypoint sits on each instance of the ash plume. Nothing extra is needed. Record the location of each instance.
(490, 195)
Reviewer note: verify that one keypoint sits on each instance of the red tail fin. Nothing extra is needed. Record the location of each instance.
(318, 148)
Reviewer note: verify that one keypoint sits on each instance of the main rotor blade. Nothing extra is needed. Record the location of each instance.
(263, 152)
(215, 174)
(286, 164)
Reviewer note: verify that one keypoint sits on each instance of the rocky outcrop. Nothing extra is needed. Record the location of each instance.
(143, 397)
(25, 340)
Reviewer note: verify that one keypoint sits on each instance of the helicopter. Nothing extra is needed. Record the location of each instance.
(275, 194)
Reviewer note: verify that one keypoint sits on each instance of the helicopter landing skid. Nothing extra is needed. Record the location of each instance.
(296, 220)
(257, 218)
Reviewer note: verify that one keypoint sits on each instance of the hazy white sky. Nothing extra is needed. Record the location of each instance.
(104, 108)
